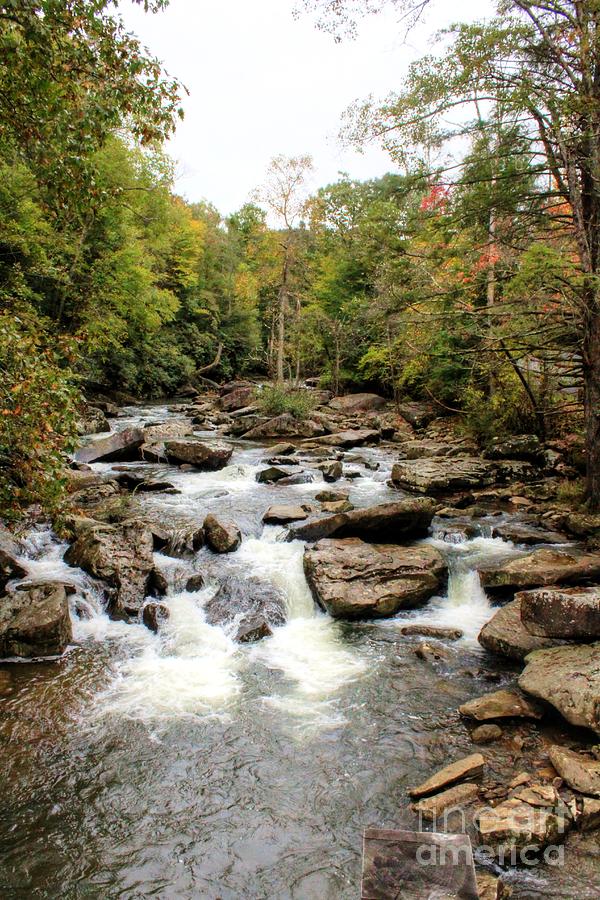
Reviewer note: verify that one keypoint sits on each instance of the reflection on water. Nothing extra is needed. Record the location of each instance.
(185, 765)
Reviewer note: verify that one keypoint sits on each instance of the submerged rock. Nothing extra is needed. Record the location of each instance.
(567, 613)
(251, 607)
(222, 537)
(389, 522)
(506, 635)
(568, 677)
(35, 621)
(486, 734)
(122, 446)
(501, 705)
(351, 579)
(208, 457)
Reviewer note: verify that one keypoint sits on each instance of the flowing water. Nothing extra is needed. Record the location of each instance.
(186, 765)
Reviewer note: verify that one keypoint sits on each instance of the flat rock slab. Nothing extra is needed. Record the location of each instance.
(582, 773)
(417, 866)
(284, 425)
(430, 808)
(432, 631)
(172, 428)
(515, 823)
(208, 457)
(122, 446)
(501, 705)
(351, 438)
(354, 580)
(506, 635)
(542, 568)
(461, 770)
(568, 677)
(351, 403)
(35, 621)
(389, 522)
(567, 613)
(281, 515)
(441, 475)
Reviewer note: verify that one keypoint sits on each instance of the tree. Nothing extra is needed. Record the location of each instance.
(284, 195)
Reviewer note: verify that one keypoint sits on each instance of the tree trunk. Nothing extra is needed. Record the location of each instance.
(591, 376)
(281, 317)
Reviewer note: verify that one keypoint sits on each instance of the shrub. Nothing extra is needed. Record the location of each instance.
(274, 400)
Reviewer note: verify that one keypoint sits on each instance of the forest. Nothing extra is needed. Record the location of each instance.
(467, 277)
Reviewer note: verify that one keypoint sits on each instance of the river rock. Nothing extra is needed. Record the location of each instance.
(522, 447)
(490, 887)
(357, 437)
(272, 475)
(353, 403)
(352, 580)
(568, 613)
(122, 446)
(222, 537)
(419, 415)
(249, 606)
(431, 631)
(238, 398)
(284, 425)
(542, 568)
(506, 635)
(332, 470)
(337, 506)
(582, 773)
(332, 496)
(154, 614)
(281, 515)
(442, 475)
(516, 824)
(525, 533)
(431, 808)
(195, 583)
(389, 522)
(426, 449)
(10, 567)
(568, 677)
(92, 421)
(119, 555)
(486, 734)
(503, 704)
(282, 449)
(208, 457)
(461, 770)
(164, 431)
(35, 621)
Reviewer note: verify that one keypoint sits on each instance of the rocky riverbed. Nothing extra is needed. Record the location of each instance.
(251, 638)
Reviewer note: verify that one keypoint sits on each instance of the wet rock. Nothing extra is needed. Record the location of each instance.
(389, 522)
(92, 421)
(503, 704)
(164, 431)
(425, 449)
(122, 446)
(419, 415)
(506, 635)
(352, 579)
(154, 614)
(567, 613)
(568, 677)
(222, 537)
(358, 437)
(432, 631)
(461, 770)
(486, 734)
(7, 685)
(272, 474)
(282, 449)
(588, 814)
(208, 457)
(353, 403)
(337, 506)
(490, 887)
(332, 471)
(195, 583)
(249, 606)
(157, 585)
(542, 568)
(582, 773)
(515, 824)
(283, 426)
(442, 475)
(281, 461)
(238, 397)
(281, 515)
(523, 533)
(10, 567)
(430, 652)
(119, 555)
(331, 496)
(298, 478)
(35, 621)
(431, 808)
(522, 446)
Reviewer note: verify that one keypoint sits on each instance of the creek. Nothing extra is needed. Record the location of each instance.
(184, 764)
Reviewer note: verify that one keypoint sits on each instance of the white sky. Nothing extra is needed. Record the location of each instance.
(262, 83)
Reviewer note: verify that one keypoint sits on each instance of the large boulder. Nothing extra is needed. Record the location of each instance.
(582, 773)
(222, 537)
(282, 514)
(284, 425)
(92, 421)
(523, 446)
(353, 580)
(10, 567)
(119, 555)
(541, 568)
(122, 446)
(517, 824)
(442, 474)
(419, 415)
(35, 621)
(154, 614)
(568, 677)
(241, 396)
(249, 606)
(505, 634)
(567, 613)
(273, 474)
(163, 431)
(208, 457)
(388, 522)
(357, 437)
(353, 403)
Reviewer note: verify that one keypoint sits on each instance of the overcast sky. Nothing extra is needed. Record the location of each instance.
(262, 83)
